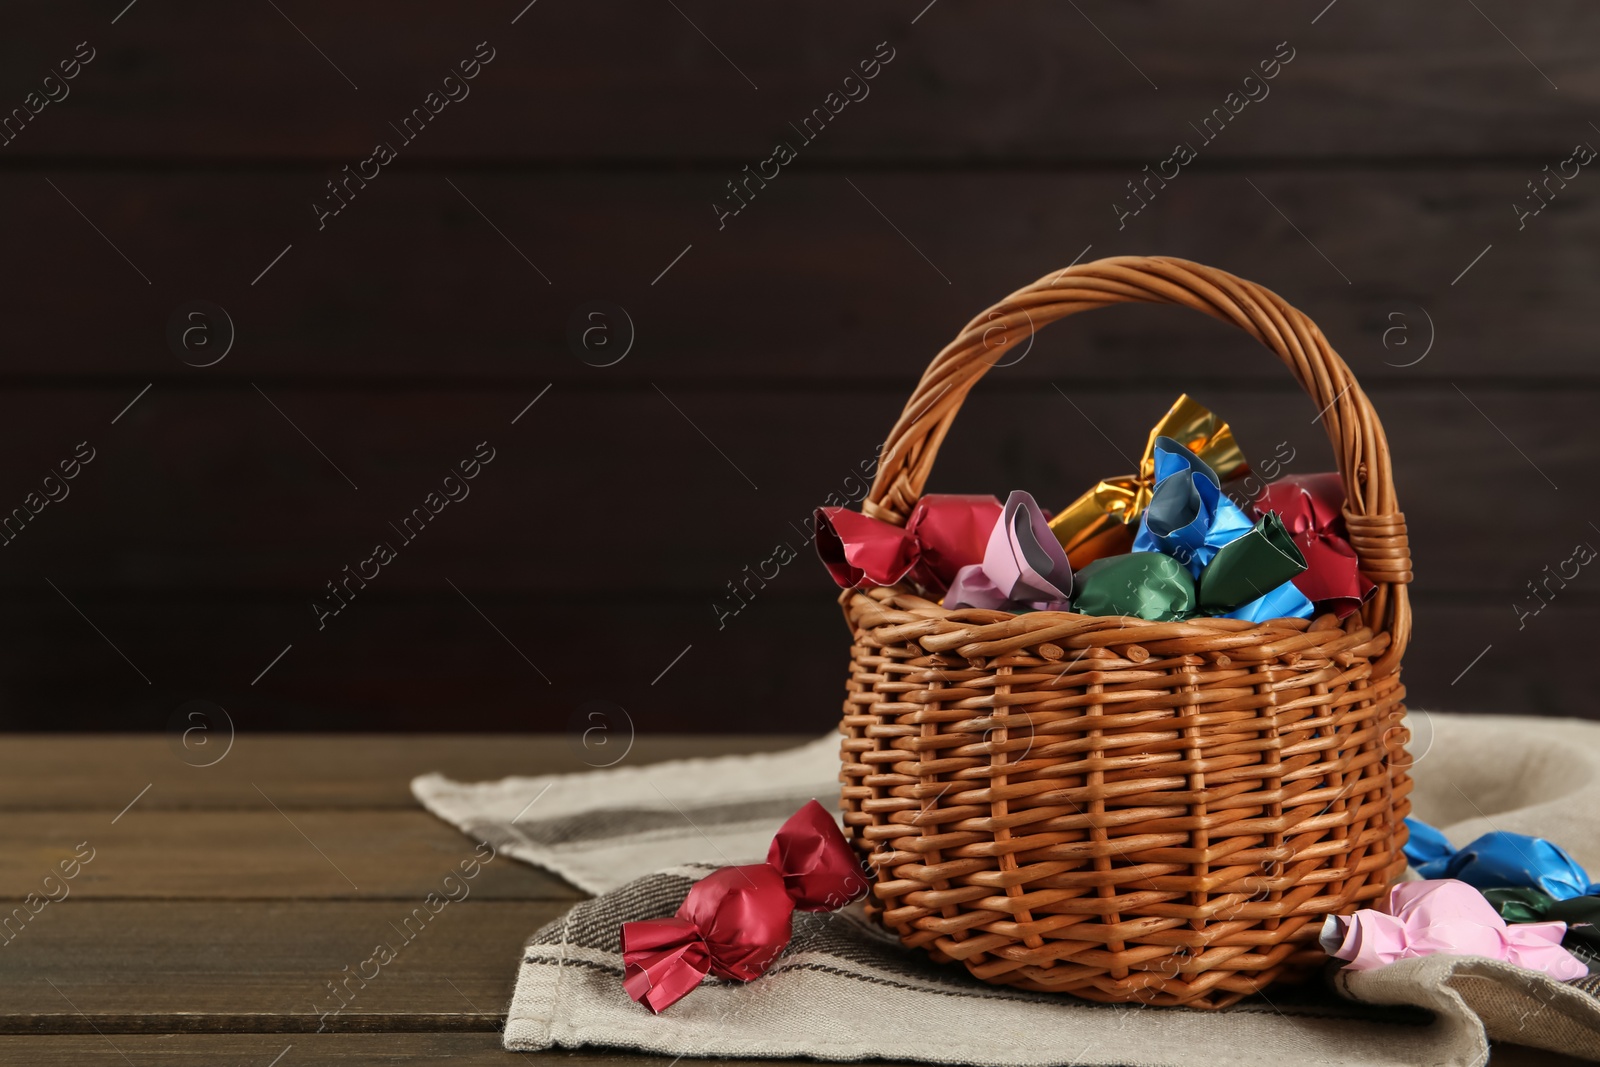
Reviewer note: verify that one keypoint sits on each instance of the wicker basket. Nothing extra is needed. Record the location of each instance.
(1120, 809)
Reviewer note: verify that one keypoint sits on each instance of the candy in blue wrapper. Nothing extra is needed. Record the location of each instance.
(1188, 518)
(1284, 602)
(1426, 845)
(1498, 860)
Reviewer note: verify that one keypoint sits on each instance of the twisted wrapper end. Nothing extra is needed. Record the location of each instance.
(662, 960)
(944, 532)
(735, 922)
(819, 868)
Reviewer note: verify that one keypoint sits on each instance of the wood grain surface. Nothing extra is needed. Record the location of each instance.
(204, 927)
(576, 81)
(222, 899)
(405, 1050)
(1399, 177)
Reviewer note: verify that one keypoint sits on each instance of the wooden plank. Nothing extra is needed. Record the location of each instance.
(791, 670)
(330, 772)
(257, 1050)
(1474, 657)
(1044, 83)
(779, 666)
(162, 970)
(676, 516)
(263, 966)
(403, 1050)
(410, 286)
(251, 855)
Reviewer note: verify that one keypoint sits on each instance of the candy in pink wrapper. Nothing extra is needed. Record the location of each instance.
(1310, 507)
(1450, 917)
(1024, 567)
(736, 921)
(944, 533)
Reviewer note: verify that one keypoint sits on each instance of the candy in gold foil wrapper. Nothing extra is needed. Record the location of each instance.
(1102, 521)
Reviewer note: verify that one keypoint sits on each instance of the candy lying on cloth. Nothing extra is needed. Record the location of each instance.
(1524, 905)
(736, 921)
(1445, 916)
(1499, 860)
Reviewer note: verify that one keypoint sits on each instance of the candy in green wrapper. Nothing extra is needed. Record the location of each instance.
(1519, 904)
(1146, 585)
(1249, 567)
(1522, 904)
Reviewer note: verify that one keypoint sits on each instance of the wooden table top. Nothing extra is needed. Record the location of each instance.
(219, 900)
(209, 906)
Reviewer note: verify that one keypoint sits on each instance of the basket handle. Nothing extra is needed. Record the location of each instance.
(1376, 527)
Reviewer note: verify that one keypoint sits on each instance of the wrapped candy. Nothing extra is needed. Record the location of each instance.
(1023, 568)
(974, 552)
(1102, 522)
(1445, 916)
(1284, 602)
(1524, 905)
(1250, 576)
(1498, 859)
(736, 920)
(1145, 585)
(1310, 507)
(1187, 517)
(944, 533)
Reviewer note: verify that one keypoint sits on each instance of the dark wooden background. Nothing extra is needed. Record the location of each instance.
(1374, 187)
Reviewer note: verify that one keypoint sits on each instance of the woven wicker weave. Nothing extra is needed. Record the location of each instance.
(1119, 809)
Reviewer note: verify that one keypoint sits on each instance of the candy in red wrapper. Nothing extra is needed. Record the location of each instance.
(736, 921)
(665, 959)
(1310, 506)
(944, 533)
